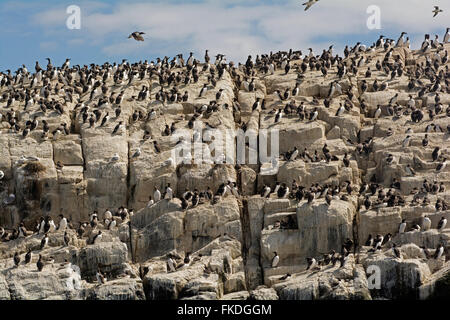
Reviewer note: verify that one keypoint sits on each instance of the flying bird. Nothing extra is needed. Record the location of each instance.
(309, 4)
(436, 11)
(137, 36)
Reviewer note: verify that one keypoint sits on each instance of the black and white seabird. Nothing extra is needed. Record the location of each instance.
(66, 239)
(367, 203)
(426, 223)
(294, 154)
(439, 251)
(309, 4)
(436, 11)
(369, 241)
(62, 223)
(40, 264)
(442, 223)
(137, 153)
(406, 141)
(425, 141)
(222, 190)
(156, 194)
(436, 153)
(265, 192)
(118, 127)
(396, 251)
(28, 257)
(169, 192)
(16, 259)
(137, 35)
(275, 260)
(328, 199)
(441, 166)
(104, 120)
(311, 263)
(377, 112)
(97, 237)
(170, 265)
(310, 196)
(314, 115)
(44, 241)
(115, 157)
(386, 239)
(409, 170)
(278, 116)
(283, 191)
(285, 277)
(195, 199)
(377, 243)
(100, 277)
(340, 111)
(402, 226)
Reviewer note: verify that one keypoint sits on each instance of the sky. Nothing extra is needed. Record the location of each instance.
(34, 30)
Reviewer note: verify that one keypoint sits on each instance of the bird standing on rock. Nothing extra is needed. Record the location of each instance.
(156, 194)
(311, 263)
(441, 166)
(100, 277)
(97, 237)
(44, 241)
(442, 223)
(16, 259)
(40, 264)
(266, 192)
(137, 153)
(66, 239)
(402, 226)
(396, 251)
(170, 265)
(275, 260)
(28, 257)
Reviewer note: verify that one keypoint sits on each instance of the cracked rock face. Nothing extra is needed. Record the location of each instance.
(350, 181)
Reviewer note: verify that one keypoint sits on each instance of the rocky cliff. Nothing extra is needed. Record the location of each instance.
(365, 125)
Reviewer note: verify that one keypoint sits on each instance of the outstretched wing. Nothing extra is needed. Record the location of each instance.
(309, 4)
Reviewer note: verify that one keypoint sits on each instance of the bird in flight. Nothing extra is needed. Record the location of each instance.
(309, 4)
(436, 11)
(137, 36)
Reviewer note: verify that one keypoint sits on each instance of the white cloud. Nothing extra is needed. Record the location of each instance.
(237, 28)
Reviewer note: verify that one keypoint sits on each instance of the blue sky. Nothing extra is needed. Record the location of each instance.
(35, 30)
